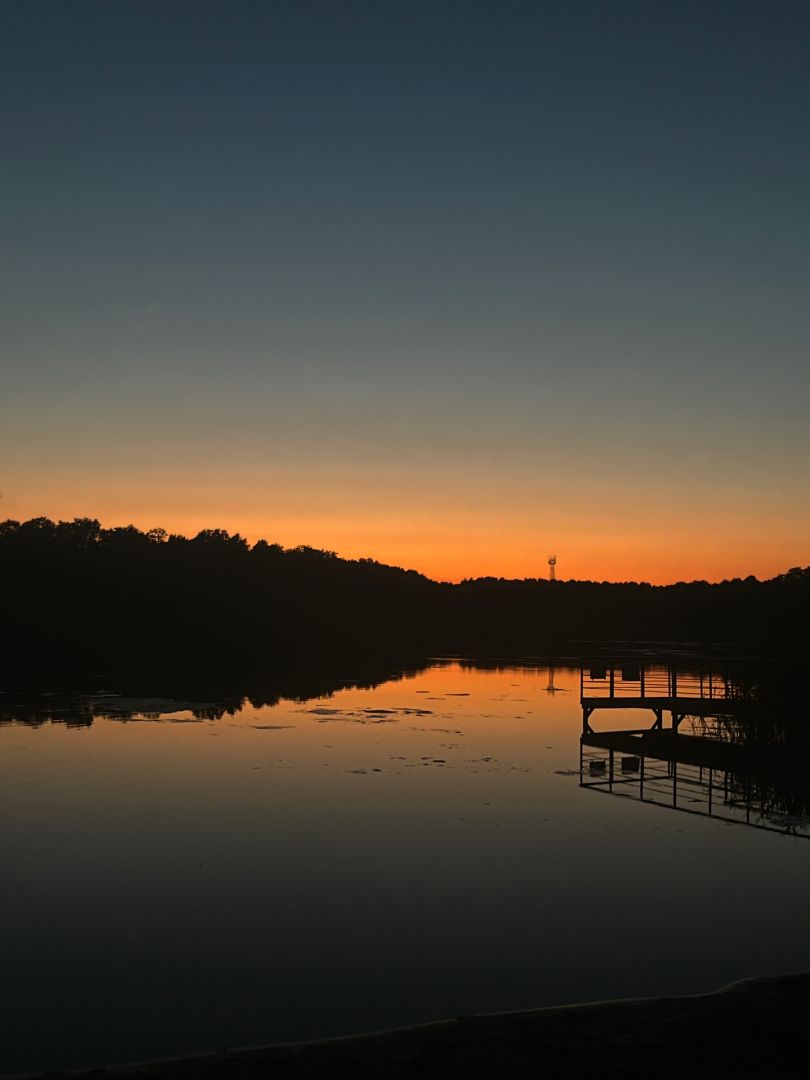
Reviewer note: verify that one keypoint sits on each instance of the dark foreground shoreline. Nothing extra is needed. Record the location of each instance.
(755, 1022)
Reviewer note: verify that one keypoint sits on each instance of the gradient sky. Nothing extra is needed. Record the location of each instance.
(451, 285)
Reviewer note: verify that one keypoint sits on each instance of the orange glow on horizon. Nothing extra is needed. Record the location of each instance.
(465, 549)
(446, 526)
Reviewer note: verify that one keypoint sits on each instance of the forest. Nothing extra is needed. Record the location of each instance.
(83, 599)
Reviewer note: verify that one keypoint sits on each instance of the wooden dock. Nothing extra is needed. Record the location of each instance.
(677, 689)
(716, 769)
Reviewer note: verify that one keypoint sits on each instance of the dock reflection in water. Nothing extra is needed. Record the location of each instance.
(720, 744)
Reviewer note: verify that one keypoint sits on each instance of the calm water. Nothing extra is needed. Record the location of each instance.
(370, 858)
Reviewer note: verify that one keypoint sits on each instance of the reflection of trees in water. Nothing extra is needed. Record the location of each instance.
(76, 710)
(34, 713)
(157, 700)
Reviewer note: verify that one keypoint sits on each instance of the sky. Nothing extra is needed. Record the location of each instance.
(454, 286)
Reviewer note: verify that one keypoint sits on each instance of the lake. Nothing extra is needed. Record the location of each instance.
(179, 879)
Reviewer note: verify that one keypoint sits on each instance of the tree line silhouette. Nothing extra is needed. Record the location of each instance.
(79, 597)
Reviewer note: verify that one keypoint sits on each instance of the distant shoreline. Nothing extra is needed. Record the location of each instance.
(82, 598)
(750, 1022)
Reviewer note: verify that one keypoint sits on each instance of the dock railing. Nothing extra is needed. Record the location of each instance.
(638, 681)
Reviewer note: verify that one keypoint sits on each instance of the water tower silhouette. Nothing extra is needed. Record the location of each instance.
(552, 563)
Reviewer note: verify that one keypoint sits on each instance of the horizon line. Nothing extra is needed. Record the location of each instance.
(158, 535)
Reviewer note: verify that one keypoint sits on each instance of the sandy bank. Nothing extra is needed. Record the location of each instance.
(756, 1022)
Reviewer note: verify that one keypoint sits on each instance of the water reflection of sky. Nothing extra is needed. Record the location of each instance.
(370, 858)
